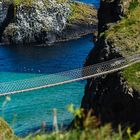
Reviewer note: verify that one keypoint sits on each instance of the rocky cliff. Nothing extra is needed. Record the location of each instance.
(115, 97)
(49, 21)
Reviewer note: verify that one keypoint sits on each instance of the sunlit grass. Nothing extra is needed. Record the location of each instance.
(62, 1)
(125, 36)
(30, 2)
(132, 75)
(82, 12)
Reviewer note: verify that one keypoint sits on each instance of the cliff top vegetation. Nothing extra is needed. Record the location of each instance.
(82, 12)
(79, 11)
(125, 36)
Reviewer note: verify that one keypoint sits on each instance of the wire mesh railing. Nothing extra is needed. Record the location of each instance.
(45, 81)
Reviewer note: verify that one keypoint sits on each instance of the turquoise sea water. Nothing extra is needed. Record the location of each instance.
(26, 112)
(93, 2)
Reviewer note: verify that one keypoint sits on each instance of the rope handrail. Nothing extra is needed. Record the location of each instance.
(45, 81)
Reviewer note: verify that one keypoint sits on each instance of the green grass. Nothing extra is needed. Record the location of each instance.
(133, 4)
(132, 75)
(79, 11)
(94, 133)
(61, 1)
(104, 133)
(82, 12)
(18, 2)
(125, 35)
(30, 2)
(91, 130)
(5, 131)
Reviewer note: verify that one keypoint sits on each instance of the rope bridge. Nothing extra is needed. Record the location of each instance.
(46, 81)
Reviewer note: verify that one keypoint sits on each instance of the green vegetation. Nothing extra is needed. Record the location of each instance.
(132, 74)
(90, 132)
(61, 1)
(133, 4)
(125, 35)
(82, 12)
(5, 131)
(26, 2)
(30, 2)
(18, 2)
(103, 133)
(79, 11)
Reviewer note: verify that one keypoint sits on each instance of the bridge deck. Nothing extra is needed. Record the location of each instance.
(45, 81)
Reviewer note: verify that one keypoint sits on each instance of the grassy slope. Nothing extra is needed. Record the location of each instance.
(126, 36)
(132, 75)
(126, 33)
(82, 12)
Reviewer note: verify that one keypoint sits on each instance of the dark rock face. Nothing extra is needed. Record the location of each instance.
(111, 11)
(9, 18)
(109, 96)
(111, 14)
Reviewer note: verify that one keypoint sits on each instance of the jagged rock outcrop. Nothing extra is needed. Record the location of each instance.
(46, 22)
(38, 20)
(110, 96)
